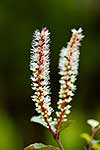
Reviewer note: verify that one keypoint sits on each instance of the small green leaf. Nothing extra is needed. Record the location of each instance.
(96, 146)
(95, 141)
(40, 146)
(34, 146)
(38, 119)
(65, 124)
(86, 136)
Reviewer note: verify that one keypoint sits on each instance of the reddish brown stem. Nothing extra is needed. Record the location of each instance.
(59, 144)
(59, 122)
(92, 136)
(55, 135)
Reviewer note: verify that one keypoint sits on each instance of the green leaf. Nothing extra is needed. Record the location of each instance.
(38, 119)
(86, 136)
(96, 146)
(34, 146)
(65, 124)
(40, 146)
(95, 141)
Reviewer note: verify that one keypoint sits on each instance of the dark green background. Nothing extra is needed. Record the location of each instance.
(18, 19)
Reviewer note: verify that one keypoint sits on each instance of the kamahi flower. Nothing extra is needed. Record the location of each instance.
(68, 69)
(68, 65)
(39, 65)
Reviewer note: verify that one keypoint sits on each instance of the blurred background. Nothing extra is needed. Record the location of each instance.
(18, 20)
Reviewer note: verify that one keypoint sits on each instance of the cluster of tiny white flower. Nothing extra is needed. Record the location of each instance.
(39, 65)
(68, 69)
(68, 65)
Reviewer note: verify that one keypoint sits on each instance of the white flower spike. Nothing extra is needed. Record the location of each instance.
(68, 66)
(39, 65)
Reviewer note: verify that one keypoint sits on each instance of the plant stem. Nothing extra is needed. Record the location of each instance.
(92, 136)
(55, 134)
(90, 147)
(59, 143)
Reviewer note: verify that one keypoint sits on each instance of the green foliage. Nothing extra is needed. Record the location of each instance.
(40, 146)
(96, 146)
(86, 136)
(95, 143)
(91, 142)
